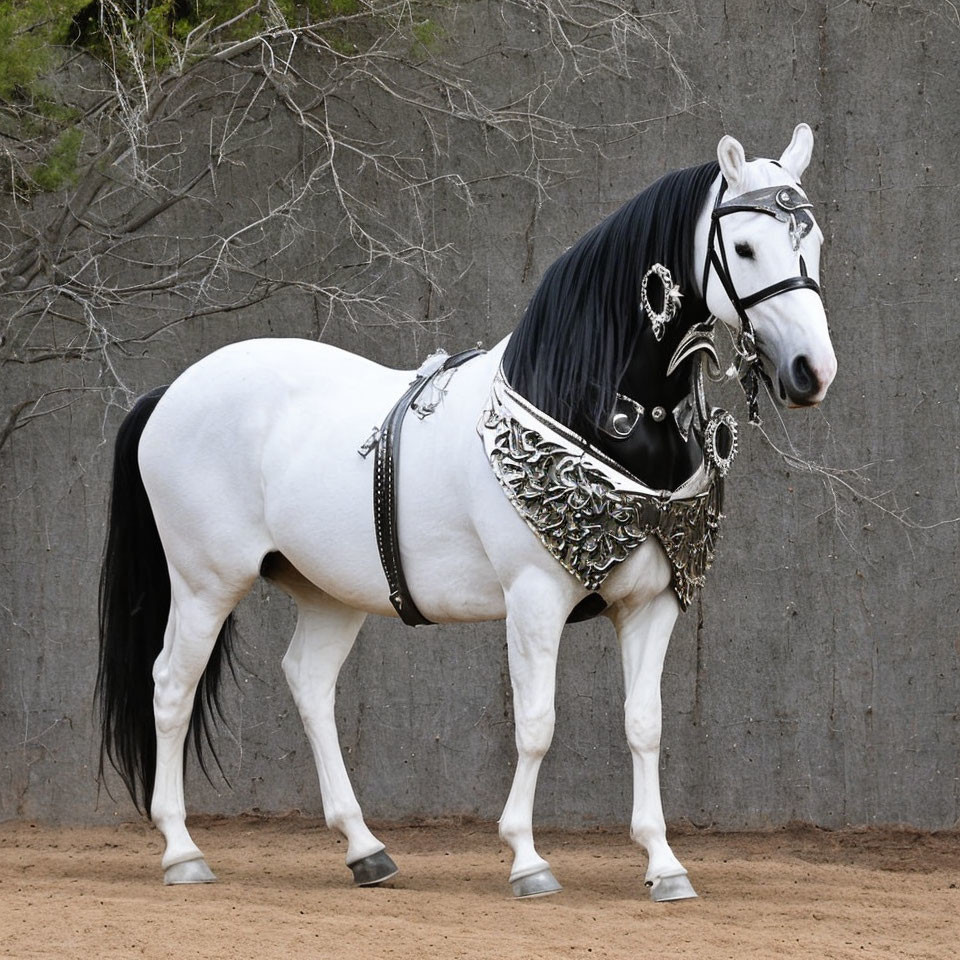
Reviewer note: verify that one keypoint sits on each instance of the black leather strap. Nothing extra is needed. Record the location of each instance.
(385, 474)
(791, 283)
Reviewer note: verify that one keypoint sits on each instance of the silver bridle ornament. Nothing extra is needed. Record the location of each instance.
(718, 428)
(785, 203)
(721, 434)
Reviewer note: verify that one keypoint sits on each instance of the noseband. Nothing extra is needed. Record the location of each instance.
(790, 206)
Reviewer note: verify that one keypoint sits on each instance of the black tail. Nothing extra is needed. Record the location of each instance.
(134, 607)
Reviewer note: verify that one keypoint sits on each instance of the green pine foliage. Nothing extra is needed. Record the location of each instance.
(36, 36)
(30, 31)
(59, 170)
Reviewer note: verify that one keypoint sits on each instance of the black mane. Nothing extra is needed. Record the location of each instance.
(579, 332)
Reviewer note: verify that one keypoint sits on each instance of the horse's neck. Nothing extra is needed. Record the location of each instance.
(656, 451)
(646, 379)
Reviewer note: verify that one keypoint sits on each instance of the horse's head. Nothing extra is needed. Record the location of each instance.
(760, 247)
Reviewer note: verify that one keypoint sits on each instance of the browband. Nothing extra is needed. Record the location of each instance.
(786, 204)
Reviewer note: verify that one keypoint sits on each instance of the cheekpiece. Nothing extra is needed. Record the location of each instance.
(585, 508)
(671, 299)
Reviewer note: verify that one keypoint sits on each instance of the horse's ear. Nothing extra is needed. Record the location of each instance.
(796, 158)
(732, 160)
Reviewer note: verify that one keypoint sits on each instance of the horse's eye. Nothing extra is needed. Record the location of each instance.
(744, 250)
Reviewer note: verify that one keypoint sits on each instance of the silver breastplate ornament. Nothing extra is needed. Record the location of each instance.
(586, 509)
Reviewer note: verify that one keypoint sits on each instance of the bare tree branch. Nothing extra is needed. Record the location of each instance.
(188, 205)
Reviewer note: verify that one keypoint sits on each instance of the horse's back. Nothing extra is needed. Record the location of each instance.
(255, 449)
(300, 366)
(225, 434)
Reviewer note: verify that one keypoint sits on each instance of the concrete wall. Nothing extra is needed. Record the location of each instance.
(823, 682)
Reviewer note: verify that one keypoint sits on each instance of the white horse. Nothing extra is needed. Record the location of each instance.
(248, 464)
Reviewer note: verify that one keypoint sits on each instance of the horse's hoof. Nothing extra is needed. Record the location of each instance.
(677, 887)
(190, 871)
(372, 870)
(540, 884)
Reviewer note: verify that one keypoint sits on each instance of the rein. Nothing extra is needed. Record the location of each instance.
(790, 206)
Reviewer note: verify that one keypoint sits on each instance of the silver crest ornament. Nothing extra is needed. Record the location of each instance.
(671, 299)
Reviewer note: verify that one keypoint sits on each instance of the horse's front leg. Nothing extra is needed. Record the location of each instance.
(644, 630)
(535, 619)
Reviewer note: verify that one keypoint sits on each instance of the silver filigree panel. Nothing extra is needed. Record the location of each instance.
(586, 522)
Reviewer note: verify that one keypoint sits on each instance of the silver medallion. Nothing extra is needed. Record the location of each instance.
(671, 299)
(721, 440)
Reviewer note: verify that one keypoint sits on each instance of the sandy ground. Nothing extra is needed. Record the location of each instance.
(284, 892)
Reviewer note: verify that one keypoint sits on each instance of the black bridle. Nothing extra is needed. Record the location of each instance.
(790, 206)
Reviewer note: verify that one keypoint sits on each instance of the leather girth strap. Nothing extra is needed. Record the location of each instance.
(385, 475)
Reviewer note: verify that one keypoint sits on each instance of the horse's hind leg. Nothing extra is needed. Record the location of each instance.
(196, 616)
(326, 631)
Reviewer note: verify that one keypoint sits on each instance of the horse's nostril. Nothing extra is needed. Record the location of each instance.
(800, 382)
(804, 380)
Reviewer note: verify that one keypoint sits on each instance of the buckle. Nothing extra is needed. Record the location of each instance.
(623, 418)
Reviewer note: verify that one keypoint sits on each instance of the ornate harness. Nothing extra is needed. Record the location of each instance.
(585, 508)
